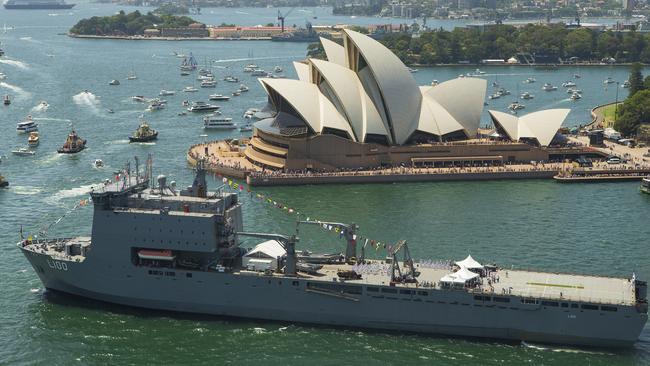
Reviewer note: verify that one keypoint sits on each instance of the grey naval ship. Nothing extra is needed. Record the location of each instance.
(156, 247)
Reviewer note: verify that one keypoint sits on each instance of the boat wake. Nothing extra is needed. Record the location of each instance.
(26, 190)
(256, 58)
(87, 99)
(57, 197)
(19, 64)
(20, 92)
(116, 142)
(242, 12)
(563, 349)
(52, 119)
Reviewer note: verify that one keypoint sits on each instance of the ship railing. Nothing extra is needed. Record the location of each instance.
(541, 296)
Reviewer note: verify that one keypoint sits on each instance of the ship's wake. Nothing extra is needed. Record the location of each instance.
(19, 64)
(63, 194)
(20, 92)
(26, 190)
(40, 107)
(549, 348)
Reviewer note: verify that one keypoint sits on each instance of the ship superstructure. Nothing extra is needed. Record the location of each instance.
(157, 247)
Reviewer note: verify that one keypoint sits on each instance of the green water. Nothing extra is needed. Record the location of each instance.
(600, 228)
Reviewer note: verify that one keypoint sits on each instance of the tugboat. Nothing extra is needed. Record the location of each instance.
(645, 185)
(73, 144)
(3, 182)
(6, 100)
(144, 133)
(33, 139)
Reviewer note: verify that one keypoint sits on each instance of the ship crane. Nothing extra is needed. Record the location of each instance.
(287, 242)
(281, 18)
(410, 274)
(348, 230)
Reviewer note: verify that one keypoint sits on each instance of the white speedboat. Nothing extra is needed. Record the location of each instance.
(236, 93)
(218, 123)
(571, 91)
(530, 80)
(575, 96)
(205, 77)
(527, 95)
(156, 105)
(98, 163)
(231, 79)
(259, 72)
(434, 82)
(23, 151)
(250, 112)
(114, 82)
(243, 88)
(495, 96)
(515, 106)
(164, 92)
(568, 84)
(208, 84)
(190, 89)
(202, 107)
(219, 97)
(609, 81)
(246, 128)
(479, 72)
(412, 70)
(139, 98)
(626, 84)
(27, 126)
(549, 87)
(277, 69)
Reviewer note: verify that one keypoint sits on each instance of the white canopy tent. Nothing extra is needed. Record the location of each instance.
(462, 276)
(469, 263)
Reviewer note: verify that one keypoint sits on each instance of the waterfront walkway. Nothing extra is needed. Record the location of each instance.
(226, 158)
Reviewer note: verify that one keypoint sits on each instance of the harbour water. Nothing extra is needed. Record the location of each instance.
(600, 228)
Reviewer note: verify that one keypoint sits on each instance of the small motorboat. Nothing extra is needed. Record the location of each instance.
(156, 105)
(277, 69)
(243, 88)
(568, 84)
(114, 82)
(23, 151)
(515, 106)
(246, 128)
(98, 163)
(575, 96)
(236, 93)
(139, 98)
(219, 97)
(33, 139)
(6, 100)
(190, 89)
(231, 79)
(527, 95)
(208, 84)
(164, 93)
(609, 81)
(549, 87)
(530, 80)
(108, 110)
(626, 84)
(185, 73)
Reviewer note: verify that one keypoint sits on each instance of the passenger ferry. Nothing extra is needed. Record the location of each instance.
(27, 126)
(202, 107)
(218, 123)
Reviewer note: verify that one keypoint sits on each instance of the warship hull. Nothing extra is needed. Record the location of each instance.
(256, 296)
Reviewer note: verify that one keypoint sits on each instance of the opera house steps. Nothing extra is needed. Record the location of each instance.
(260, 144)
(260, 158)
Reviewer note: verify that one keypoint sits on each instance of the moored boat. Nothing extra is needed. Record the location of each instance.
(645, 185)
(219, 97)
(202, 107)
(218, 123)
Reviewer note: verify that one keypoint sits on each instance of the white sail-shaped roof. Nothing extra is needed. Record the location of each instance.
(463, 99)
(302, 69)
(358, 109)
(334, 51)
(540, 125)
(314, 108)
(435, 119)
(399, 92)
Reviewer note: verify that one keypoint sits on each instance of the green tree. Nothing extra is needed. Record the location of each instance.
(578, 43)
(635, 79)
(634, 111)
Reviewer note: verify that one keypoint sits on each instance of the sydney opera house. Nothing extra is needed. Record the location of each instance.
(363, 108)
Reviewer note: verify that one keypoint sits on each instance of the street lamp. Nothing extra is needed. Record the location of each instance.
(616, 105)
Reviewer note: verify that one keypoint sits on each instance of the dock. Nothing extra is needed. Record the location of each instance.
(601, 176)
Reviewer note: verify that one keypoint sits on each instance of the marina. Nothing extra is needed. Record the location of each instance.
(536, 224)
